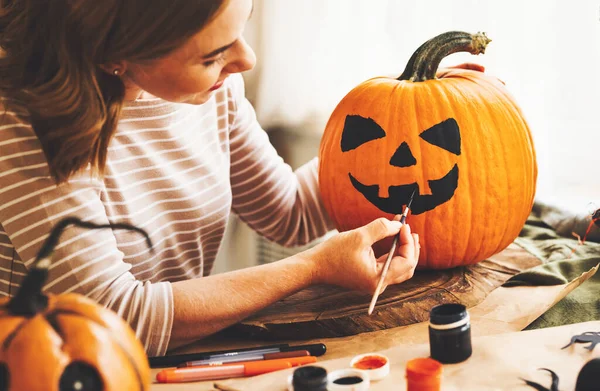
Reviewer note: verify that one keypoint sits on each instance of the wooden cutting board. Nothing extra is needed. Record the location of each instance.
(328, 311)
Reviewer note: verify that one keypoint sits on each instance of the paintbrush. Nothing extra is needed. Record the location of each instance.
(388, 261)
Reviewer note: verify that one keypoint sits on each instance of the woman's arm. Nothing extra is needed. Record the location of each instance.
(84, 262)
(205, 306)
(278, 203)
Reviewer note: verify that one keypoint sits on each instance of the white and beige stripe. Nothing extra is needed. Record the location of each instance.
(175, 170)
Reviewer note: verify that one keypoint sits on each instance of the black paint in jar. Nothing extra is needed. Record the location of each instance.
(449, 333)
(348, 380)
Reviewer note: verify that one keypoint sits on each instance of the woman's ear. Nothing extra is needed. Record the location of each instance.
(116, 69)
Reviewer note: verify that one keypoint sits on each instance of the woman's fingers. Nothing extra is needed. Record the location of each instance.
(406, 244)
(405, 261)
(417, 246)
(470, 65)
(380, 229)
(401, 270)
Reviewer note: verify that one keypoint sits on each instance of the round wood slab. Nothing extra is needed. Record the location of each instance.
(327, 311)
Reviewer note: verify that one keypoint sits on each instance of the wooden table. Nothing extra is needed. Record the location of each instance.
(498, 362)
(503, 311)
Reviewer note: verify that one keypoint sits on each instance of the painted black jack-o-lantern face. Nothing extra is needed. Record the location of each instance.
(359, 130)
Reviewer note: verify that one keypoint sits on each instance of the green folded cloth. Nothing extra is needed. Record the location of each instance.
(564, 259)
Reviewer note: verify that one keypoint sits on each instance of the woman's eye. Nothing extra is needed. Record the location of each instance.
(214, 60)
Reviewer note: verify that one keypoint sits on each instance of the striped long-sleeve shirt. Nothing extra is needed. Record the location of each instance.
(177, 171)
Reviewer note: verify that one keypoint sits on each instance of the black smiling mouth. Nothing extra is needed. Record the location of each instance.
(442, 190)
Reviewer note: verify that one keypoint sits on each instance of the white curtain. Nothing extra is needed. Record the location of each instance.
(312, 52)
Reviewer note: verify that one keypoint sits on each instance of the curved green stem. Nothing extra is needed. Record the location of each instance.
(424, 62)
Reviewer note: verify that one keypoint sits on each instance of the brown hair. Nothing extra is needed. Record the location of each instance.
(49, 66)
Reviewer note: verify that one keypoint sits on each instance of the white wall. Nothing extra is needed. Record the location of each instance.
(311, 52)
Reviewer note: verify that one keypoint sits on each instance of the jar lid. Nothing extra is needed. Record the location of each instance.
(444, 314)
(587, 379)
(309, 377)
(423, 369)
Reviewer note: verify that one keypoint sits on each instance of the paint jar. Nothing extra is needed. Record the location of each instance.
(375, 365)
(589, 376)
(449, 333)
(348, 380)
(423, 374)
(308, 378)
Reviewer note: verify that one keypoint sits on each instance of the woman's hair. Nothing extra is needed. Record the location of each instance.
(51, 52)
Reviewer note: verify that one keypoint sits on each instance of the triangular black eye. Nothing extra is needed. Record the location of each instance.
(403, 157)
(359, 130)
(445, 135)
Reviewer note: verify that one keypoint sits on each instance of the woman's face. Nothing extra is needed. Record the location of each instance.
(192, 72)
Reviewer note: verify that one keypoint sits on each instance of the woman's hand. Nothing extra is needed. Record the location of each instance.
(442, 72)
(348, 260)
(467, 65)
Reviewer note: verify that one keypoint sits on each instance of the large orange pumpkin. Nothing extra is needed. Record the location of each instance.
(459, 139)
(66, 342)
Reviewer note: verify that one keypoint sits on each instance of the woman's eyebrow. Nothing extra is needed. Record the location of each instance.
(223, 48)
(217, 51)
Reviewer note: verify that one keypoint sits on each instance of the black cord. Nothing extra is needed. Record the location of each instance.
(12, 268)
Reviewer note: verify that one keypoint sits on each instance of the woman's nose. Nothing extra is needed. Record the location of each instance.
(243, 59)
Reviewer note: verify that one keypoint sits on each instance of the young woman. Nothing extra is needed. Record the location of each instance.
(134, 111)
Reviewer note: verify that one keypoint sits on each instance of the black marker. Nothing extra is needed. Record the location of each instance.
(232, 355)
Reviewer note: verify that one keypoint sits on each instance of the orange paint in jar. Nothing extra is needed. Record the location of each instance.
(423, 374)
(370, 362)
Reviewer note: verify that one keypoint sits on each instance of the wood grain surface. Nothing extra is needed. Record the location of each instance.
(329, 311)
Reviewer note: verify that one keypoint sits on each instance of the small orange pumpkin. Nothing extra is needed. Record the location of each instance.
(66, 342)
(459, 141)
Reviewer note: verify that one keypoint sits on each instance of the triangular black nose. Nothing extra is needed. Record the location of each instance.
(403, 157)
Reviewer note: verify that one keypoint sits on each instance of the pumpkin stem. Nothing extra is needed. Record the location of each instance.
(29, 299)
(424, 62)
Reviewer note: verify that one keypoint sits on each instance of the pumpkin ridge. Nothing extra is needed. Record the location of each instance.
(51, 319)
(13, 335)
(511, 103)
(56, 313)
(436, 89)
(459, 254)
(505, 163)
(474, 245)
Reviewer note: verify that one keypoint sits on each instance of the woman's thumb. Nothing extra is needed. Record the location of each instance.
(382, 228)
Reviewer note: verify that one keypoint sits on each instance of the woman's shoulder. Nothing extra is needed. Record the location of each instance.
(234, 88)
(235, 84)
(14, 121)
(11, 107)
(17, 137)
